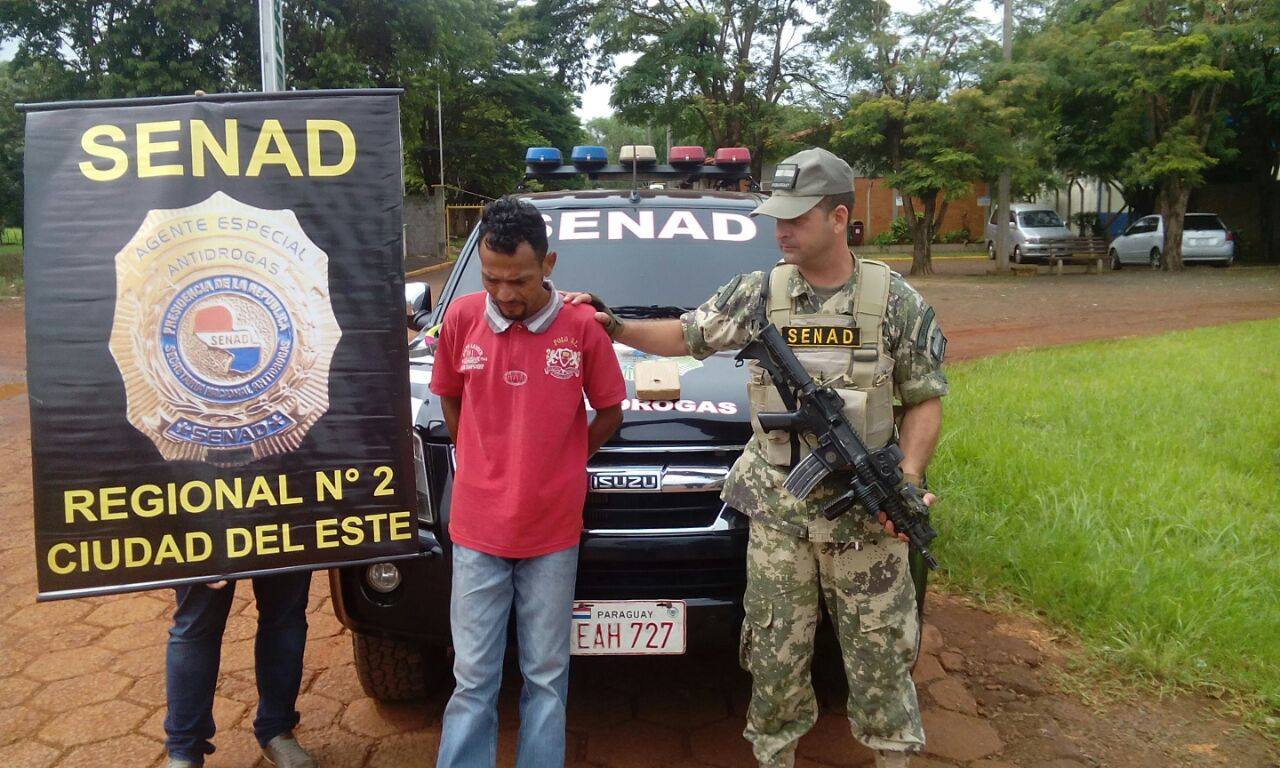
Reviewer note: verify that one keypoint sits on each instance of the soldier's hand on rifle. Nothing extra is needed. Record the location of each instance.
(929, 499)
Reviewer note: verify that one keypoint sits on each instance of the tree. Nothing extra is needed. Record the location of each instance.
(1140, 87)
(120, 48)
(612, 133)
(719, 71)
(496, 99)
(913, 121)
(929, 150)
(11, 91)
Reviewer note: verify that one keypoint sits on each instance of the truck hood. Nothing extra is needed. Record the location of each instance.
(712, 408)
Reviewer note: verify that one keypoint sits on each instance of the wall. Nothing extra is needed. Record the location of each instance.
(423, 222)
(874, 206)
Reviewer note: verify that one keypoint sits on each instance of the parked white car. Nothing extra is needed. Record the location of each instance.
(1204, 239)
(1032, 228)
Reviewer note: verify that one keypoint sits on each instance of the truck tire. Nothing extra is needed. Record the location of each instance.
(396, 670)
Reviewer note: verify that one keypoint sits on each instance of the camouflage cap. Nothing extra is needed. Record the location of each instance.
(802, 180)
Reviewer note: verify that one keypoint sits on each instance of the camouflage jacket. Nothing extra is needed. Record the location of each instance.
(914, 339)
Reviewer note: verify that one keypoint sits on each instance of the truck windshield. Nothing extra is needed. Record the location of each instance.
(655, 261)
(1039, 219)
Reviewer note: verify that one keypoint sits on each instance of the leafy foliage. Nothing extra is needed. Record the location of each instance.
(917, 120)
(496, 98)
(722, 73)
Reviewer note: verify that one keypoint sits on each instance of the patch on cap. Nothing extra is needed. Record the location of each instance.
(785, 176)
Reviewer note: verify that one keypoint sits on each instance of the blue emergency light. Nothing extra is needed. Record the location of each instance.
(543, 157)
(587, 157)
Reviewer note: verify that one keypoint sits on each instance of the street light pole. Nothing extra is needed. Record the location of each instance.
(1002, 205)
(271, 45)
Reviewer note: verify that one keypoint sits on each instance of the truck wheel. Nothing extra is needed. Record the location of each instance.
(991, 251)
(1155, 258)
(396, 670)
(1115, 259)
(1017, 255)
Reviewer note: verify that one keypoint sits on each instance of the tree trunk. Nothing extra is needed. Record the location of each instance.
(921, 235)
(1173, 208)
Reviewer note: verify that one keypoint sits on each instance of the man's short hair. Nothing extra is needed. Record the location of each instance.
(507, 222)
(828, 203)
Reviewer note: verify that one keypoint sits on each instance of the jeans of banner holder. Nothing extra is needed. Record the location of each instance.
(194, 651)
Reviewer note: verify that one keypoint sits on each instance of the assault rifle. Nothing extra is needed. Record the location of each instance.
(875, 480)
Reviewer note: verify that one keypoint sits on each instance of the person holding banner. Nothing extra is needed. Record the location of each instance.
(191, 668)
(512, 366)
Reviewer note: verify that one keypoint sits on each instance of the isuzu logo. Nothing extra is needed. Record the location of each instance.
(626, 480)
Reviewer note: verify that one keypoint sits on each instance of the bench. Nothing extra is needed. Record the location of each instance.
(1090, 251)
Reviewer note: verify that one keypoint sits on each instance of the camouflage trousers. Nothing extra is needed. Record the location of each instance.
(868, 593)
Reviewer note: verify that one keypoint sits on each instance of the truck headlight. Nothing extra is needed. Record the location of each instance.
(382, 577)
(425, 513)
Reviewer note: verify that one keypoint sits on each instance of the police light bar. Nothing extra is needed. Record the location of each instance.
(686, 157)
(637, 154)
(733, 156)
(543, 158)
(587, 157)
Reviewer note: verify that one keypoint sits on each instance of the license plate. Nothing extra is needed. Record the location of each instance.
(628, 628)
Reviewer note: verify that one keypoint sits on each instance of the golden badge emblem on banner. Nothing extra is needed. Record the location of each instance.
(223, 331)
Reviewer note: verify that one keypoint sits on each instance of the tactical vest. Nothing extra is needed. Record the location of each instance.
(842, 348)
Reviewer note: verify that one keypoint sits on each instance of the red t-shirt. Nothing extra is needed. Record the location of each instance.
(522, 435)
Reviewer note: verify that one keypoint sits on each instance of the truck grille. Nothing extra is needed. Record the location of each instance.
(623, 511)
(674, 489)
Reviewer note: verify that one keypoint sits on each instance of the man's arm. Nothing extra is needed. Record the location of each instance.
(605, 423)
(657, 337)
(452, 407)
(722, 322)
(918, 435)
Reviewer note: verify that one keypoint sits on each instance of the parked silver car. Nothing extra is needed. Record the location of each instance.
(1031, 228)
(1204, 239)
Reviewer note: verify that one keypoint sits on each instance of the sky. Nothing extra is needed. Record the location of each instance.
(595, 97)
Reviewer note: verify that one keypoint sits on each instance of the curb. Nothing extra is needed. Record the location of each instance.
(430, 270)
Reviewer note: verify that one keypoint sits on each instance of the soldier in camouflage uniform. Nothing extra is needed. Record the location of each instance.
(796, 557)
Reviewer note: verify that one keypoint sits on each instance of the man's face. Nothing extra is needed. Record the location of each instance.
(812, 235)
(514, 280)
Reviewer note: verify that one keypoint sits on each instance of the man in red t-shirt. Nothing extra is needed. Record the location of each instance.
(511, 369)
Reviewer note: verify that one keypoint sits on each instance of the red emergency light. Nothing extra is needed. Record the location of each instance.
(686, 157)
(733, 156)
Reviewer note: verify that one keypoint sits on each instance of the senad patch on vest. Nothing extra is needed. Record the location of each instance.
(821, 336)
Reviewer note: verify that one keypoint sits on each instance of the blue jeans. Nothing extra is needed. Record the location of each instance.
(484, 589)
(195, 647)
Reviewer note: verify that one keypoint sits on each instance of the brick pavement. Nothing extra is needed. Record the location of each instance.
(82, 683)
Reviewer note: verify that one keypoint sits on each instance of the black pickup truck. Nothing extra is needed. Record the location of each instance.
(662, 566)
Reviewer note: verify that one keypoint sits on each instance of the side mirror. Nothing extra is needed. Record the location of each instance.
(417, 304)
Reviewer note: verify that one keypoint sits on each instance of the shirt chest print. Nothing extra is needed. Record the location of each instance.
(564, 359)
(473, 358)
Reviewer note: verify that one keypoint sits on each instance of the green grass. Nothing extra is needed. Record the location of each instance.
(11, 236)
(10, 270)
(1127, 490)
